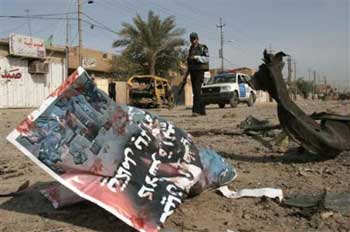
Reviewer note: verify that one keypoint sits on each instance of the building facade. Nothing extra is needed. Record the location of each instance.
(99, 65)
(96, 63)
(29, 71)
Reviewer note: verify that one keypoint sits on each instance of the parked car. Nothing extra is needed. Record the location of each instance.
(228, 88)
(150, 92)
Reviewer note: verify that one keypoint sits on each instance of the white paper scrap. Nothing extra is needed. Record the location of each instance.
(258, 192)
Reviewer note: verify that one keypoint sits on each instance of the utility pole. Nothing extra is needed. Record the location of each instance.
(314, 86)
(67, 31)
(80, 31)
(67, 45)
(28, 17)
(221, 51)
(289, 60)
(295, 71)
(309, 74)
(295, 80)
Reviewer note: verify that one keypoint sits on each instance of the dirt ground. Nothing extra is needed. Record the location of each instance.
(292, 171)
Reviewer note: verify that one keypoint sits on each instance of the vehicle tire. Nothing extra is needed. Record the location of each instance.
(234, 100)
(251, 100)
(221, 105)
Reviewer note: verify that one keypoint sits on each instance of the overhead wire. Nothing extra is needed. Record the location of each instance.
(57, 18)
(37, 15)
(92, 21)
(130, 7)
(234, 29)
(107, 6)
(167, 11)
(60, 23)
(100, 24)
(13, 29)
(191, 19)
(97, 37)
(243, 51)
(126, 7)
(34, 17)
(133, 9)
(46, 28)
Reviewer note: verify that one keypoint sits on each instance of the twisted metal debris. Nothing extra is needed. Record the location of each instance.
(322, 133)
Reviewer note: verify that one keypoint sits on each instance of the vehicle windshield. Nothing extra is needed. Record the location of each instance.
(227, 78)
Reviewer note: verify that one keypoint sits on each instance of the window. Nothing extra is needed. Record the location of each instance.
(240, 79)
(226, 78)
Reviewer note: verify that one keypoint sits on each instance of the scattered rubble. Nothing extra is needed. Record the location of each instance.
(325, 202)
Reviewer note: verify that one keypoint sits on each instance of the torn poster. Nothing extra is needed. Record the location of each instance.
(130, 162)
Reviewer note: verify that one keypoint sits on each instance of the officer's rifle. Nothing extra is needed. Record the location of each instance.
(183, 83)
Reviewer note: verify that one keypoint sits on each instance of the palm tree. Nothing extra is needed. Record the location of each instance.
(146, 40)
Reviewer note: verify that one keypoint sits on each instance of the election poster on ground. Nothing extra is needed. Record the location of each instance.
(132, 163)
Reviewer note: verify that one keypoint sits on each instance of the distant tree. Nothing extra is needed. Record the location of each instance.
(149, 43)
(172, 59)
(304, 87)
(123, 68)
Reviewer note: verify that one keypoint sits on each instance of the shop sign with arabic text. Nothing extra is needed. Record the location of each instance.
(27, 46)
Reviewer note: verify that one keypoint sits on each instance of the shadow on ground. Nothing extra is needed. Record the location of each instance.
(293, 155)
(84, 214)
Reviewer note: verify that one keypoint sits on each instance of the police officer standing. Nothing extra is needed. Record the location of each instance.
(198, 63)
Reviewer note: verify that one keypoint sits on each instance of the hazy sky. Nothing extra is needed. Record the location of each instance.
(314, 32)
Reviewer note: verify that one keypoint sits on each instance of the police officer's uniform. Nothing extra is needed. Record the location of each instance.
(198, 63)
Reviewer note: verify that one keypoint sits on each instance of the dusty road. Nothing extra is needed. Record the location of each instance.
(257, 166)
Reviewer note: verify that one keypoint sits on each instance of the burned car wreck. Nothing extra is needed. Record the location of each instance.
(321, 133)
(150, 91)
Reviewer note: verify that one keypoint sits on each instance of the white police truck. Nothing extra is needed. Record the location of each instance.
(228, 88)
